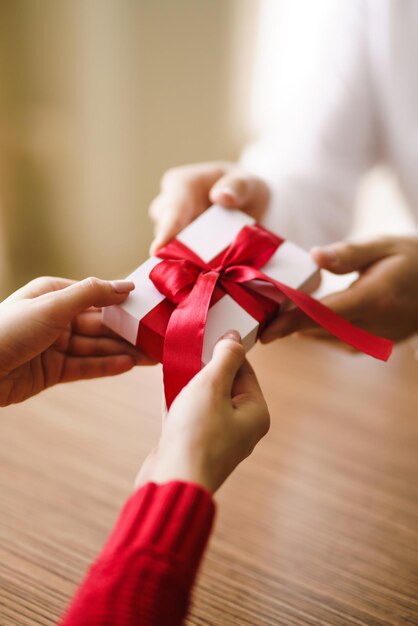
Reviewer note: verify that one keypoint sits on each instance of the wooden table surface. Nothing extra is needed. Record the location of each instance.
(319, 526)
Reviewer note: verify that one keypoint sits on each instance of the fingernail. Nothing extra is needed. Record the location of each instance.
(228, 193)
(331, 252)
(122, 286)
(231, 334)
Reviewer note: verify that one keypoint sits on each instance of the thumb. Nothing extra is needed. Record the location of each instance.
(228, 357)
(342, 257)
(62, 305)
(237, 190)
(246, 384)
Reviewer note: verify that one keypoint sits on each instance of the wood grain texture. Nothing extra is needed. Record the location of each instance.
(319, 526)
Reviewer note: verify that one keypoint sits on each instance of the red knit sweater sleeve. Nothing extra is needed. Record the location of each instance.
(146, 570)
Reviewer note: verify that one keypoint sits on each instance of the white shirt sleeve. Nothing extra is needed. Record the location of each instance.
(319, 132)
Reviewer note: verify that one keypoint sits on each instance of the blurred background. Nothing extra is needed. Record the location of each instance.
(99, 97)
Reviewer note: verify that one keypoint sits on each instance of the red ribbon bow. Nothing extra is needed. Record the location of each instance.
(193, 285)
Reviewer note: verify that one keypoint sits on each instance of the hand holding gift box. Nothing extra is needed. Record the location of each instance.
(223, 271)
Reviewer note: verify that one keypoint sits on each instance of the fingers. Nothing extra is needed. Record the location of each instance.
(353, 304)
(187, 191)
(77, 368)
(342, 257)
(90, 323)
(172, 214)
(101, 346)
(319, 334)
(184, 195)
(228, 357)
(90, 337)
(62, 305)
(285, 324)
(240, 191)
(39, 286)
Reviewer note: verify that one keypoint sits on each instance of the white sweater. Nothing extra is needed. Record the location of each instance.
(344, 96)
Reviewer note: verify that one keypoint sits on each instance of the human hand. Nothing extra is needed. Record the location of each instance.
(383, 299)
(213, 424)
(49, 333)
(189, 190)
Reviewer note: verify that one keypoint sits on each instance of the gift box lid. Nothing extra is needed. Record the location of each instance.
(208, 235)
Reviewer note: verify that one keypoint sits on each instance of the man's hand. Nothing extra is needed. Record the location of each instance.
(213, 424)
(384, 298)
(51, 332)
(189, 190)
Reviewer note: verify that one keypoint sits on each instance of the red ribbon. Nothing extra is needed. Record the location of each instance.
(193, 285)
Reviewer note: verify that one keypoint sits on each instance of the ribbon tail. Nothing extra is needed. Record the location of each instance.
(360, 339)
(183, 343)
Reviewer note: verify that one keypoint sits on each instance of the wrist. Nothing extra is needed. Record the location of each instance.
(184, 469)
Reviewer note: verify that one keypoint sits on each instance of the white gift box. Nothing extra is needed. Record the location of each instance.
(208, 236)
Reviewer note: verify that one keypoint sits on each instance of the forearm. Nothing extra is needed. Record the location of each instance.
(146, 570)
(318, 132)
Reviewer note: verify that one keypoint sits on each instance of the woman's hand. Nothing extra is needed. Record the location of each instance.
(213, 424)
(189, 190)
(49, 333)
(384, 298)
